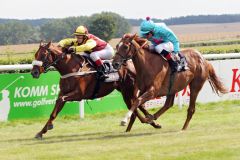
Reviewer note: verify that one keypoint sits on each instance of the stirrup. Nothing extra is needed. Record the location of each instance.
(102, 75)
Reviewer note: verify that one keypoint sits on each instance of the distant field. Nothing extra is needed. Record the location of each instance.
(186, 33)
(202, 32)
(192, 33)
(213, 134)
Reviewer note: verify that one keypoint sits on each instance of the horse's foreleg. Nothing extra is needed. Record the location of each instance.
(58, 107)
(168, 103)
(147, 114)
(132, 120)
(142, 119)
(149, 94)
(144, 111)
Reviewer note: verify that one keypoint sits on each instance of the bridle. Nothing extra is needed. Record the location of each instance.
(45, 64)
(130, 45)
(129, 56)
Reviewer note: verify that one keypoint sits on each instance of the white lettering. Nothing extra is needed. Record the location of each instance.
(35, 91)
(55, 89)
(17, 92)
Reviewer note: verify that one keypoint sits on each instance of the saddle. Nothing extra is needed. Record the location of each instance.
(181, 60)
(108, 68)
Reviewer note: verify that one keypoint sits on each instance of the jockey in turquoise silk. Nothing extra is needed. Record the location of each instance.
(164, 42)
(161, 33)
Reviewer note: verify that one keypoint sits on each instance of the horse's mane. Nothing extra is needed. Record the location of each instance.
(140, 41)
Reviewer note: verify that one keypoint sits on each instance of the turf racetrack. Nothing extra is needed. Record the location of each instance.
(213, 134)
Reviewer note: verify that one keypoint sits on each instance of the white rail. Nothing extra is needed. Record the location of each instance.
(15, 67)
(222, 56)
(207, 56)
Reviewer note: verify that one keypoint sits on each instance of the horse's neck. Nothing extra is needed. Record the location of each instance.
(68, 64)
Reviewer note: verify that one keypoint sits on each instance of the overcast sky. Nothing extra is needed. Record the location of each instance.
(35, 9)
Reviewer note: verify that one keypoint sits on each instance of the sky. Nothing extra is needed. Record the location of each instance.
(33, 9)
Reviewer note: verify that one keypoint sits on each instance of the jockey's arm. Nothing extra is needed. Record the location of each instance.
(66, 42)
(88, 46)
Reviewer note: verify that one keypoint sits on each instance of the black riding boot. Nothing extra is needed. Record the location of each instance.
(172, 63)
(101, 72)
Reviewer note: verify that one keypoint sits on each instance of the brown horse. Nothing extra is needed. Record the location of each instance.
(153, 75)
(76, 87)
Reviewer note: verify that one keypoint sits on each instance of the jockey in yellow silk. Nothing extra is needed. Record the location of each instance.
(85, 42)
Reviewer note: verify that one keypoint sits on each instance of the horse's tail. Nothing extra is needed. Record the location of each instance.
(215, 82)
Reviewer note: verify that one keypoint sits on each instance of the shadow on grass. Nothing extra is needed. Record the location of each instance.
(89, 137)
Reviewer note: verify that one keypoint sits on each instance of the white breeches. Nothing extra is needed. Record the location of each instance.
(168, 46)
(106, 53)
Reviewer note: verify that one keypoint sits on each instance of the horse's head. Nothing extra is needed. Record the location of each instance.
(126, 49)
(46, 56)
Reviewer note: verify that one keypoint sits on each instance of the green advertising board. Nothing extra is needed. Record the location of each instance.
(23, 97)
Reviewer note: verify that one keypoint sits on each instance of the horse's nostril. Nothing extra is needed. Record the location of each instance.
(35, 74)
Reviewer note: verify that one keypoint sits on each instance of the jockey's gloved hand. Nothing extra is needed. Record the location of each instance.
(71, 50)
(64, 49)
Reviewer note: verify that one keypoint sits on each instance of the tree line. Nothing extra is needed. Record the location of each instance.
(106, 25)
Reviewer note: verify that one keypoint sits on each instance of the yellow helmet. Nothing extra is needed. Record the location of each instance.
(81, 30)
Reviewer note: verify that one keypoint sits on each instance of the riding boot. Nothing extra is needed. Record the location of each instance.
(172, 63)
(101, 72)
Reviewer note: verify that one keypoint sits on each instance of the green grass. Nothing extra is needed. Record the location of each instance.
(211, 43)
(234, 48)
(17, 58)
(213, 134)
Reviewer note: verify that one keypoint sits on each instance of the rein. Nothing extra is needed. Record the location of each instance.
(45, 61)
(125, 59)
(77, 74)
(54, 62)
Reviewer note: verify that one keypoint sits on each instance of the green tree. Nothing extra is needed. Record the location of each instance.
(102, 26)
(55, 30)
(121, 24)
(58, 29)
(16, 32)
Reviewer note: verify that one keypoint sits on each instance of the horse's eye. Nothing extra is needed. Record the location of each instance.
(125, 47)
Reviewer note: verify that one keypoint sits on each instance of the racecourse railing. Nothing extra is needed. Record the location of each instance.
(210, 57)
(207, 56)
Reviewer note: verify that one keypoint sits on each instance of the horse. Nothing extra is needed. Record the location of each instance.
(155, 79)
(79, 81)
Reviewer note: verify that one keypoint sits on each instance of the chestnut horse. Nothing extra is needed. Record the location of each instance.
(154, 80)
(75, 87)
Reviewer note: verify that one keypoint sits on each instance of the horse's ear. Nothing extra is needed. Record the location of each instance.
(41, 43)
(133, 37)
(49, 44)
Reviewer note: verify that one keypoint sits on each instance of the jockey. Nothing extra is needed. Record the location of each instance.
(163, 40)
(88, 43)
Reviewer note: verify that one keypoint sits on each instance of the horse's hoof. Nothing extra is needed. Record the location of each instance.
(50, 126)
(123, 123)
(155, 125)
(38, 136)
